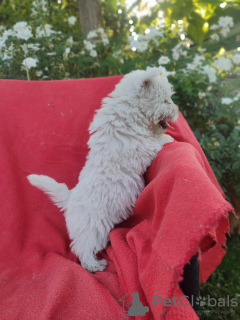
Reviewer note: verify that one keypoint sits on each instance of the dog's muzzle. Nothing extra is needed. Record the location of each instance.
(164, 124)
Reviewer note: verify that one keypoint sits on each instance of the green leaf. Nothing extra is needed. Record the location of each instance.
(111, 5)
(181, 9)
(216, 2)
(236, 165)
(195, 27)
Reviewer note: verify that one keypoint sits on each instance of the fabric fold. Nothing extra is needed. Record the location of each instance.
(44, 130)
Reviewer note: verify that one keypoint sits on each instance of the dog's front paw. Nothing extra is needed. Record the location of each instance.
(94, 265)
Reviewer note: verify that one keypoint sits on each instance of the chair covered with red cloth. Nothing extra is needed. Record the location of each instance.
(181, 212)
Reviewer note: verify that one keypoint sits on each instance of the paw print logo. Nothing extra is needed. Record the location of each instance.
(200, 301)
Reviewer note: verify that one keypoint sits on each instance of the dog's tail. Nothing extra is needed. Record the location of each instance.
(58, 192)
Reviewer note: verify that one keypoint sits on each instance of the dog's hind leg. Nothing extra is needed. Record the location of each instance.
(87, 253)
(92, 264)
(89, 235)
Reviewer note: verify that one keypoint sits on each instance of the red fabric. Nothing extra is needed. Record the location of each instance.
(44, 131)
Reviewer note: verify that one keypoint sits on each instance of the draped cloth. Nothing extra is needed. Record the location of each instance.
(182, 210)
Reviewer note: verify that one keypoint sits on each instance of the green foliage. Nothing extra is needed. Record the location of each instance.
(196, 13)
(222, 283)
(195, 27)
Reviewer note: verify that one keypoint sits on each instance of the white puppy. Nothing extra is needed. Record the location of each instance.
(126, 135)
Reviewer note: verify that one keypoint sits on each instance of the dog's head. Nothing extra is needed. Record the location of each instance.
(150, 92)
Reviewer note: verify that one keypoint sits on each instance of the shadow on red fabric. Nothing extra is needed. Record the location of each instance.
(44, 130)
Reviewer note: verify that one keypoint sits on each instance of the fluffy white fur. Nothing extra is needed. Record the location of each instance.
(126, 135)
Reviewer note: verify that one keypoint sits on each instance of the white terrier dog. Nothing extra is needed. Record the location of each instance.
(126, 135)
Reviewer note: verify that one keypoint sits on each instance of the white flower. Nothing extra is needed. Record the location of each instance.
(67, 50)
(178, 50)
(6, 56)
(93, 53)
(214, 27)
(147, 37)
(141, 37)
(30, 63)
(201, 95)
(196, 62)
(164, 71)
(100, 30)
(223, 64)
(70, 41)
(172, 73)
(236, 58)
(72, 20)
(137, 40)
(190, 66)
(11, 47)
(8, 53)
(237, 97)
(105, 41)
(23, 31)
(98, 33)
(211, 72)
(163, 60)
(34, 12)
(134, 43)
(226, 101)
(176, 55)
(92, 34)
(225, 21)
(117, 54)
(45, 31)
(215, 37)
(38, 6)
(25, 48)
(39, 73)
(224, 24)
(34, 46)
(142, 46)
(224, 31)
(88, 45)
(8, 33)
(153, 34)
(2, 44)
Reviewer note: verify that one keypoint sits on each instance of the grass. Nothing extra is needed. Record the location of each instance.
(225, 281)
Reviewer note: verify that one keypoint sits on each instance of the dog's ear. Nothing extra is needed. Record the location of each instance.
(145, 87)
(146, 83)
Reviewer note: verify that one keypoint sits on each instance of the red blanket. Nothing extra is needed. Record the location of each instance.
(44, 131)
